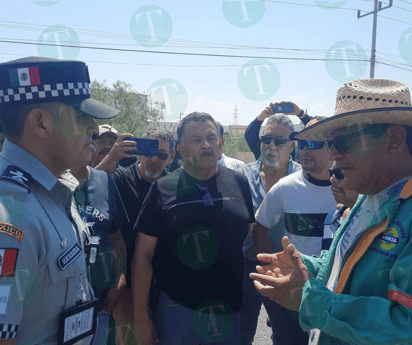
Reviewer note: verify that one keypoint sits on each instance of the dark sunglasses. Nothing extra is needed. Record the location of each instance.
(341, 142)
(337, 172)
(162, 156)
(278, 142)
(312, 145)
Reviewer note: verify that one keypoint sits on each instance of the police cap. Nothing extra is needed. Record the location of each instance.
(36, 80)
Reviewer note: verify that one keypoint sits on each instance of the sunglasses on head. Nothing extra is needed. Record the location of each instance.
(312, 145)
(278, 142)
(337, 172)
(342, 144)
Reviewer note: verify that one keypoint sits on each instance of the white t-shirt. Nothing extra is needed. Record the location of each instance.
(297, 208)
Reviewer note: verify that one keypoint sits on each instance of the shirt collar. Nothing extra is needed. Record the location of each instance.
(19, 157)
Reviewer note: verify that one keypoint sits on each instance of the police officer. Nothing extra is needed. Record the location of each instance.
(46, 113)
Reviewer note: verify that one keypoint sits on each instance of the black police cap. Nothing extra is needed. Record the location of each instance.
(36, 80)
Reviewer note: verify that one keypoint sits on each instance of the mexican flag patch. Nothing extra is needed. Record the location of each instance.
(8, 259)
(24, 76)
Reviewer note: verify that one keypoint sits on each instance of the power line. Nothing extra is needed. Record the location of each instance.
(396, 20)
(177, 53)
(293, 3)
(385, 3)
(410, 3)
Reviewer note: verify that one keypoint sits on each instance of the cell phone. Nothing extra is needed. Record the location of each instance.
(145, 147)
(283, 108)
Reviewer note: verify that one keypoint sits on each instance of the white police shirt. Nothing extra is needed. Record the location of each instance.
(42, 263)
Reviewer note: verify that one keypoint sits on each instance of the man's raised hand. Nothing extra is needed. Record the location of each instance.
(283, 279)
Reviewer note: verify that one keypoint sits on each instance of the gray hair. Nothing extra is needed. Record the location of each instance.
(163, 134)
(280, 120)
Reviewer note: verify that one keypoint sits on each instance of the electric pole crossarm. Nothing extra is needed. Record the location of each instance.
(380, 8)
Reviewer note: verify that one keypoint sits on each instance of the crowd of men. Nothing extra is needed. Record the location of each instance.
(100, 246)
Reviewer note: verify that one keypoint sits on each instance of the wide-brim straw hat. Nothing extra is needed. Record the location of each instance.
(362, 102)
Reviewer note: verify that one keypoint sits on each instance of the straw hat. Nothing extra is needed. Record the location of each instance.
(364, 101)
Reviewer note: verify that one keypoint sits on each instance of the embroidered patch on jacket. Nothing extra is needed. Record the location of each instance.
(389, 239)
(17, 175)
(69, 256)
(8, 331)
(8, 259)
(11, 230)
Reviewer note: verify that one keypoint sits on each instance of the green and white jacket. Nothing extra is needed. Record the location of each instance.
(372, 301)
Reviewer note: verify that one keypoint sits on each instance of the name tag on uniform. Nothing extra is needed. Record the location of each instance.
(69, 256)
(78, 323)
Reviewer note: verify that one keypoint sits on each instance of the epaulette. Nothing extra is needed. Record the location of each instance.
(18, 176)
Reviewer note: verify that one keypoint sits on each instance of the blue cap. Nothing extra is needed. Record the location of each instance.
(36, 80)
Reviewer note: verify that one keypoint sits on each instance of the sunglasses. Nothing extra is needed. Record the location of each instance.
(344, 143)
(278, 142)
(207, 198)
(337, 172)
(312, 145)
(162, 156)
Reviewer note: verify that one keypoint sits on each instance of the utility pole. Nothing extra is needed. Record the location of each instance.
(378, 7)
(235, 121)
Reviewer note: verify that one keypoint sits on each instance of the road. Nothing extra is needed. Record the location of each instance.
(263, 332)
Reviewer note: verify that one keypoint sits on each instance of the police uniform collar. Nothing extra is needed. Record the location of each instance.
(25, 161)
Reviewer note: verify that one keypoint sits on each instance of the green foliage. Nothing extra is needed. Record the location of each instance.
(235, 144)
(136, 111)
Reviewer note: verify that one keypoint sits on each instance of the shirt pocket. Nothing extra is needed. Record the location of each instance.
(59, 287)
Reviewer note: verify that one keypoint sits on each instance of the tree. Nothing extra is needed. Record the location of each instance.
(235, 144)
(137, 111)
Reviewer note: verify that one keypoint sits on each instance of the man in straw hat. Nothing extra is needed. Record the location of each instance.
(360, 290)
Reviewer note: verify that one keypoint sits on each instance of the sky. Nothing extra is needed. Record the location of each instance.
(225, 53)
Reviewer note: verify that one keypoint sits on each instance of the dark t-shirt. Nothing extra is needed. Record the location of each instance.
(133, 189)
(98, 202)
(201, 226)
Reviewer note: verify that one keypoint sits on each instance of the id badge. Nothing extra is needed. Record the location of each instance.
(78, 322)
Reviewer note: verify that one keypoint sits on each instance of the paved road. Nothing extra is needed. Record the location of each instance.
(263, 332)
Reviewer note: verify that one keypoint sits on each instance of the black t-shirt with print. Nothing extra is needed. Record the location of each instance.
(132, 189)
(98, 203)
(201, 226)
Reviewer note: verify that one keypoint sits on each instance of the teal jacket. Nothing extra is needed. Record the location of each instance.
(372, 303)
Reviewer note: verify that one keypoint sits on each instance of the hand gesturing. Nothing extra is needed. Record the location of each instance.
(283, 279)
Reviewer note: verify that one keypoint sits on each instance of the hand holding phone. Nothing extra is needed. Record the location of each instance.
(144, 146)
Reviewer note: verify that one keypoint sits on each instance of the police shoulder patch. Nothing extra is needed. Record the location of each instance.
(11, 230)
(18, 176)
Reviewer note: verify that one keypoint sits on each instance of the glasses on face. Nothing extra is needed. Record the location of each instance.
(344, 143)
(160, 155)
(312, 145)
(278, 142)
(337, 172)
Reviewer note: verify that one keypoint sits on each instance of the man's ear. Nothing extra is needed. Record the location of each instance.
(179, 148)
(39, 122)
(223, 140)
(292, 146)
(397, 138)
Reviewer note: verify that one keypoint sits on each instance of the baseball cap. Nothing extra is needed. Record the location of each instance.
(108, 129)
(36, 80)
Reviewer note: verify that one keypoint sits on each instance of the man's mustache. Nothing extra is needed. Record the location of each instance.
(206, 154)
(272, 153)
(307, 157)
